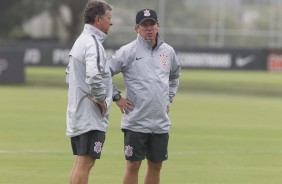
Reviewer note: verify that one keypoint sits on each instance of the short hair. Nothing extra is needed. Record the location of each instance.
(94, 8)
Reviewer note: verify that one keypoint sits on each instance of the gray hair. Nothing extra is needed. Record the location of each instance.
(94, 8)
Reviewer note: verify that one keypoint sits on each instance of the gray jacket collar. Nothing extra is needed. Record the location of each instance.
(147, 44)
(101, 36)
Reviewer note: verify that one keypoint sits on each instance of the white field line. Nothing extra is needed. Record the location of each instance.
(228, 152)
(188, 152)
(30, 152)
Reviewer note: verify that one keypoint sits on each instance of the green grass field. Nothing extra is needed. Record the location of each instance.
(226, 130)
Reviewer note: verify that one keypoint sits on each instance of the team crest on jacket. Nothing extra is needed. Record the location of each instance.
(164, 60)
(98, 147)
(147, 13)
(128, 151)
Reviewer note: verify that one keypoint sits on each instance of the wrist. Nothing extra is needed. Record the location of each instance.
(116, 97)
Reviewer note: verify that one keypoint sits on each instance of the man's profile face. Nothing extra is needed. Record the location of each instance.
(105, 22)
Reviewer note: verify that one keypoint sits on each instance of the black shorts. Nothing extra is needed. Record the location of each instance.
(138, 146)
(89, 143)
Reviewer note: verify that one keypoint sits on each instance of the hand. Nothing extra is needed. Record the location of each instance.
(102, 105)
(125, 105)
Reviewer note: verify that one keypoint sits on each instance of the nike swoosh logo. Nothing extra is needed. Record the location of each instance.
(240, 62)
(138, 58)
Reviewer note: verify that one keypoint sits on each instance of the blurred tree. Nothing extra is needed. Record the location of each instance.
(76, 15)
(183, 22)
(14, 13)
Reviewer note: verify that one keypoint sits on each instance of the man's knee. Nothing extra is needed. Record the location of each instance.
(155, 165)
(133, 165)
(85, 162)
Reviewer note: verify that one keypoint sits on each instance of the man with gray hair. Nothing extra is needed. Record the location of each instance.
(90, 91)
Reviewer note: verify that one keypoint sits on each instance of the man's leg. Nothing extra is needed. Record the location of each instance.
(131, 172)
(153, 172)
(71, 173)
(81, 169)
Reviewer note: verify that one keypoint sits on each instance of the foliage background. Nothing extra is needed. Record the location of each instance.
(184, 23)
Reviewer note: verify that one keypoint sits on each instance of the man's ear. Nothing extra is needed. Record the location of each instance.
(136, 28)
(97, 19)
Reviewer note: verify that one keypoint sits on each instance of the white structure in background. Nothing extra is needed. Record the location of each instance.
(46, 25)
(39, 26)
(214, 35)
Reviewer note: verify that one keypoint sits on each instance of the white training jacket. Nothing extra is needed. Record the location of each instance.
(85, 75)
(152, 78)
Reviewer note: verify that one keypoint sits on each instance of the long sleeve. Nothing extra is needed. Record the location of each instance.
(174, 76)
(93, 74)
(116, 63)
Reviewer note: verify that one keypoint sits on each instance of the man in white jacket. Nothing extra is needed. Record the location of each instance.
(90, 91)
(151, 72)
